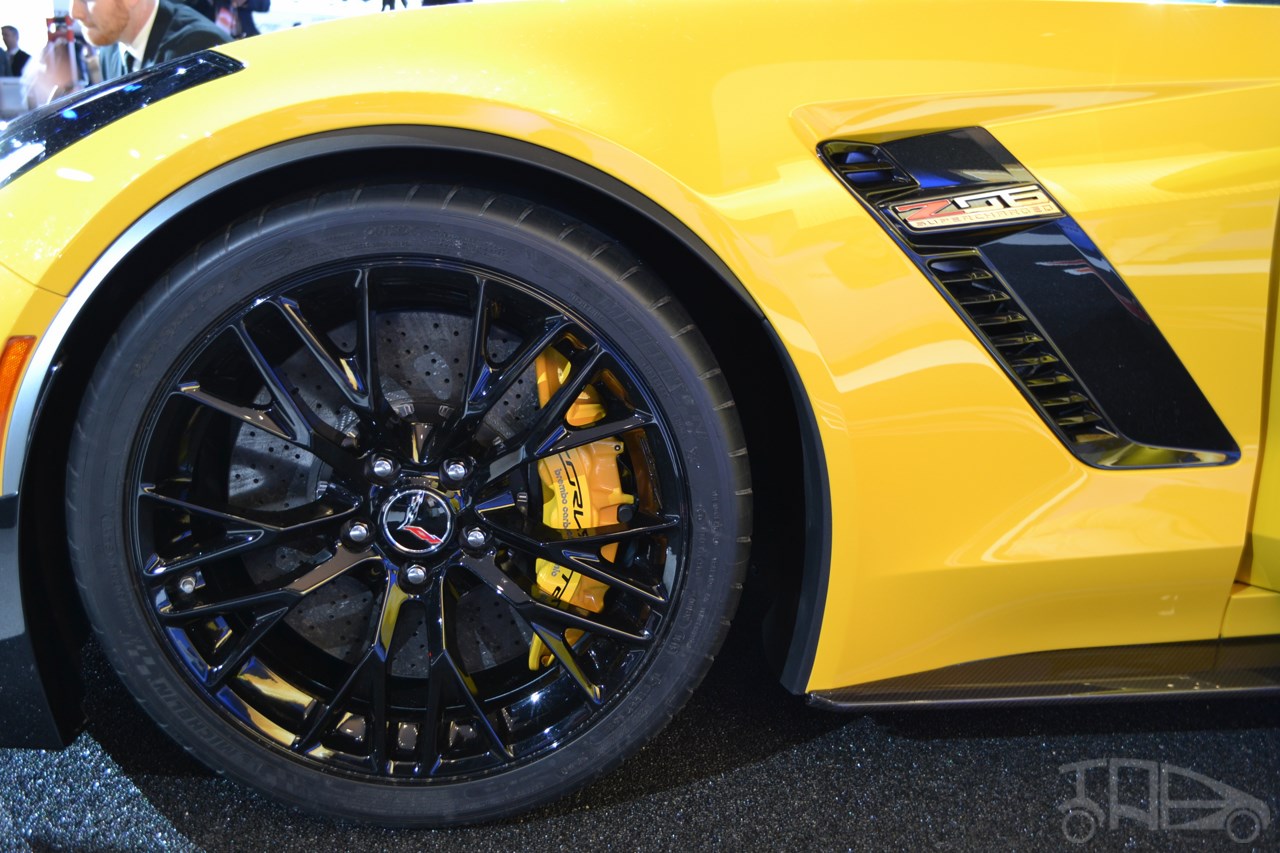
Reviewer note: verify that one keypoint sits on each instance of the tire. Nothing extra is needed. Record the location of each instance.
(1078, 825)
(310, 488)
(1243, 825)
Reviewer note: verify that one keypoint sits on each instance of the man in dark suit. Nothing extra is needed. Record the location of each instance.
(137, 34)
(17, 56)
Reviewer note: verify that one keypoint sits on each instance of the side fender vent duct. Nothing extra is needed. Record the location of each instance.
(1039, 295)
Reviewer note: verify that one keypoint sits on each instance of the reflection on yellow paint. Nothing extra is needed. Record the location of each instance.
(391, 605)
(257, 677)
(923, 357)
(77, 175)
(255, 718)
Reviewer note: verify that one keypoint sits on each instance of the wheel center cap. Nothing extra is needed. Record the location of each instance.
(417, 521)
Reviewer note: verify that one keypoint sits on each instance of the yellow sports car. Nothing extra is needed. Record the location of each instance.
(413, 394)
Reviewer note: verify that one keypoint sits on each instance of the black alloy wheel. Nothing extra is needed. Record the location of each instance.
(413, 504)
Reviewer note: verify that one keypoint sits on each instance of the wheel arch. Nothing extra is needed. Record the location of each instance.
(792, 562)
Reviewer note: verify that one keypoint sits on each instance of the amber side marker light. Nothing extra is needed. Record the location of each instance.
(12, 362)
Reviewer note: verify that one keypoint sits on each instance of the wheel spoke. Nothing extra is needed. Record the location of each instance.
(263, 419)
(496, 382)
(306, 430)
(560, 649)
(284, 594)
(487, 507)
(256, 601)
(579, 551)
(478, 366)
(584, 365)
(246, 530)
(337, 368)
(427, 749)
(388, 617)
(550, 434)
(372, 666)
(537, 612)
(533, 610)
(376, 730)
(367, 345)
(342, 560)
(445, 670)
(234, 542)
(293, 413)
(241, 521)
(244, 643)
(385, 621)
(319, 719)
(488, 383)
(564, 438)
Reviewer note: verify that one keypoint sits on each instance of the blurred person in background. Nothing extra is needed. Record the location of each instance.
(17, 56)
(136, 34)
(53, 73)
(235, 17)
(88, 70)
(204, 7)
(244, 15)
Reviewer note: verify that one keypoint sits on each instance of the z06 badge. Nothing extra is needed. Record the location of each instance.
(984, 208)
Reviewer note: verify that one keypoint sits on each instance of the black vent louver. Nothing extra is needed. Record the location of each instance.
(1038, 294)
(867, 168)
(1022, 346)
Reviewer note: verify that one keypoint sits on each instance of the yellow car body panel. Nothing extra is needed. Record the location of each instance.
(963, 528)
(1261, 568)
(1251, 612)
(25, 311)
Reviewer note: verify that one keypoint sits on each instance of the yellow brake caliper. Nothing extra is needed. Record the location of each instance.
(581, 489)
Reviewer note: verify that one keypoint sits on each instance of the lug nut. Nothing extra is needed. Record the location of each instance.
(456, 469)
(187, 585)
(383, 467)
(359, 532)
(415, 574)
(476, 537)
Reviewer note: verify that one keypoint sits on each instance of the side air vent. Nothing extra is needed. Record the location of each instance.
(1020, 344)
(866, 168)
(1038, 294)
